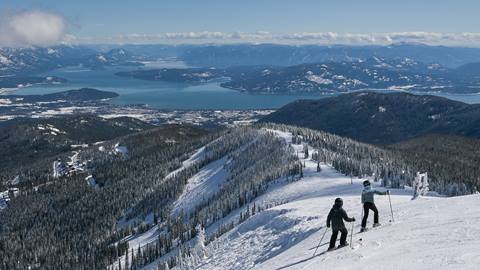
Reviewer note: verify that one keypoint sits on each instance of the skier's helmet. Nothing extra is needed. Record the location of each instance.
(366, 183)
(339, 202)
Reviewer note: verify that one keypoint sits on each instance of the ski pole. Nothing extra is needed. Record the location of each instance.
(391, 209)
(326, 228)
(351, 235)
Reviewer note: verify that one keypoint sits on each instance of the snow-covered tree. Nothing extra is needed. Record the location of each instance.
(420, 185)
(198, 245)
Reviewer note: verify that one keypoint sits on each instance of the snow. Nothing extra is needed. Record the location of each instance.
(428, 233)
(58, 169)
(102, 58)
(318, 79)
(15, 181)
(4, 198)
(79, 145)
(266, 72)
(4, 60)
(91, 182)
(202, 75)
(201, 186)
(198, 155)
(120, 149)
(5, 101)
(402, 87)
(143, 239)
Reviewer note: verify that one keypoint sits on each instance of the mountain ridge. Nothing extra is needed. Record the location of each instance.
(382, 118)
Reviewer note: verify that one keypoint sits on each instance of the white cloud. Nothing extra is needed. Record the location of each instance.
(33, 27)
(327, 38)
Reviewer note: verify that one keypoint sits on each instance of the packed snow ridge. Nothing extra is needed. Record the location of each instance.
(430, 232)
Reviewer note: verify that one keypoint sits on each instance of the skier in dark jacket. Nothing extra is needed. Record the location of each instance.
(335, 217)
(369, 204)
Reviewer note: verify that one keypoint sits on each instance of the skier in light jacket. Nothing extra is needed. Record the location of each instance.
(369, 204)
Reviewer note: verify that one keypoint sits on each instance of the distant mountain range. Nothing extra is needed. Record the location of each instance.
(38, 59)
(329, 77)
(380, 118)
(25, 61)
(265, 68)
(287, 55)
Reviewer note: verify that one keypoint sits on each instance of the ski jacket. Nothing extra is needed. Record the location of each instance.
(368, 193)
(336, 217)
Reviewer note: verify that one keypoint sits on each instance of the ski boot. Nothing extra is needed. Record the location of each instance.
(376, 225)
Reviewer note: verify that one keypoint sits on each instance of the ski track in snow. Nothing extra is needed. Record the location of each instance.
(201, 186)
(190, 161)
(428, 233)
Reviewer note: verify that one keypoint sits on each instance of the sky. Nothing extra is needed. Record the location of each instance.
(190, 21)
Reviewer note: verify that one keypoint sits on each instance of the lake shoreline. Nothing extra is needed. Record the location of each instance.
(177, 96)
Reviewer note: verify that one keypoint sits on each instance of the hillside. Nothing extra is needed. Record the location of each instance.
(28, 143)
(157, 196)
(284, 225)
(443, 156)
(83, 207)
(326, 77)
(346, 76)
(381, 118)
(429, 233)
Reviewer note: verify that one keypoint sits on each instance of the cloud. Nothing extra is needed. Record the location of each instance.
(326, 38)
(32, 27)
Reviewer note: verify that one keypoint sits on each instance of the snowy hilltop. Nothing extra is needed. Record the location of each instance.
(429, 233)
(249, 197)
(282, 228)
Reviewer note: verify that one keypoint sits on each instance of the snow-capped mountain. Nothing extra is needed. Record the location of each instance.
(323, 78)
(28, 60)
(345, 76)
(36, 59)
(289, 55)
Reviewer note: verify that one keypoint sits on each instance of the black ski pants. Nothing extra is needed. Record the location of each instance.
(366, 207)
(343, 237)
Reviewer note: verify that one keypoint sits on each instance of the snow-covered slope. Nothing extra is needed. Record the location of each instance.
(428, 233)
(201, 186)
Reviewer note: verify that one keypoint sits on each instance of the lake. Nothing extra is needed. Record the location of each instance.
(167, 95)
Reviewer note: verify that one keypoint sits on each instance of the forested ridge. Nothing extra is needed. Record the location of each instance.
(68, 224)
